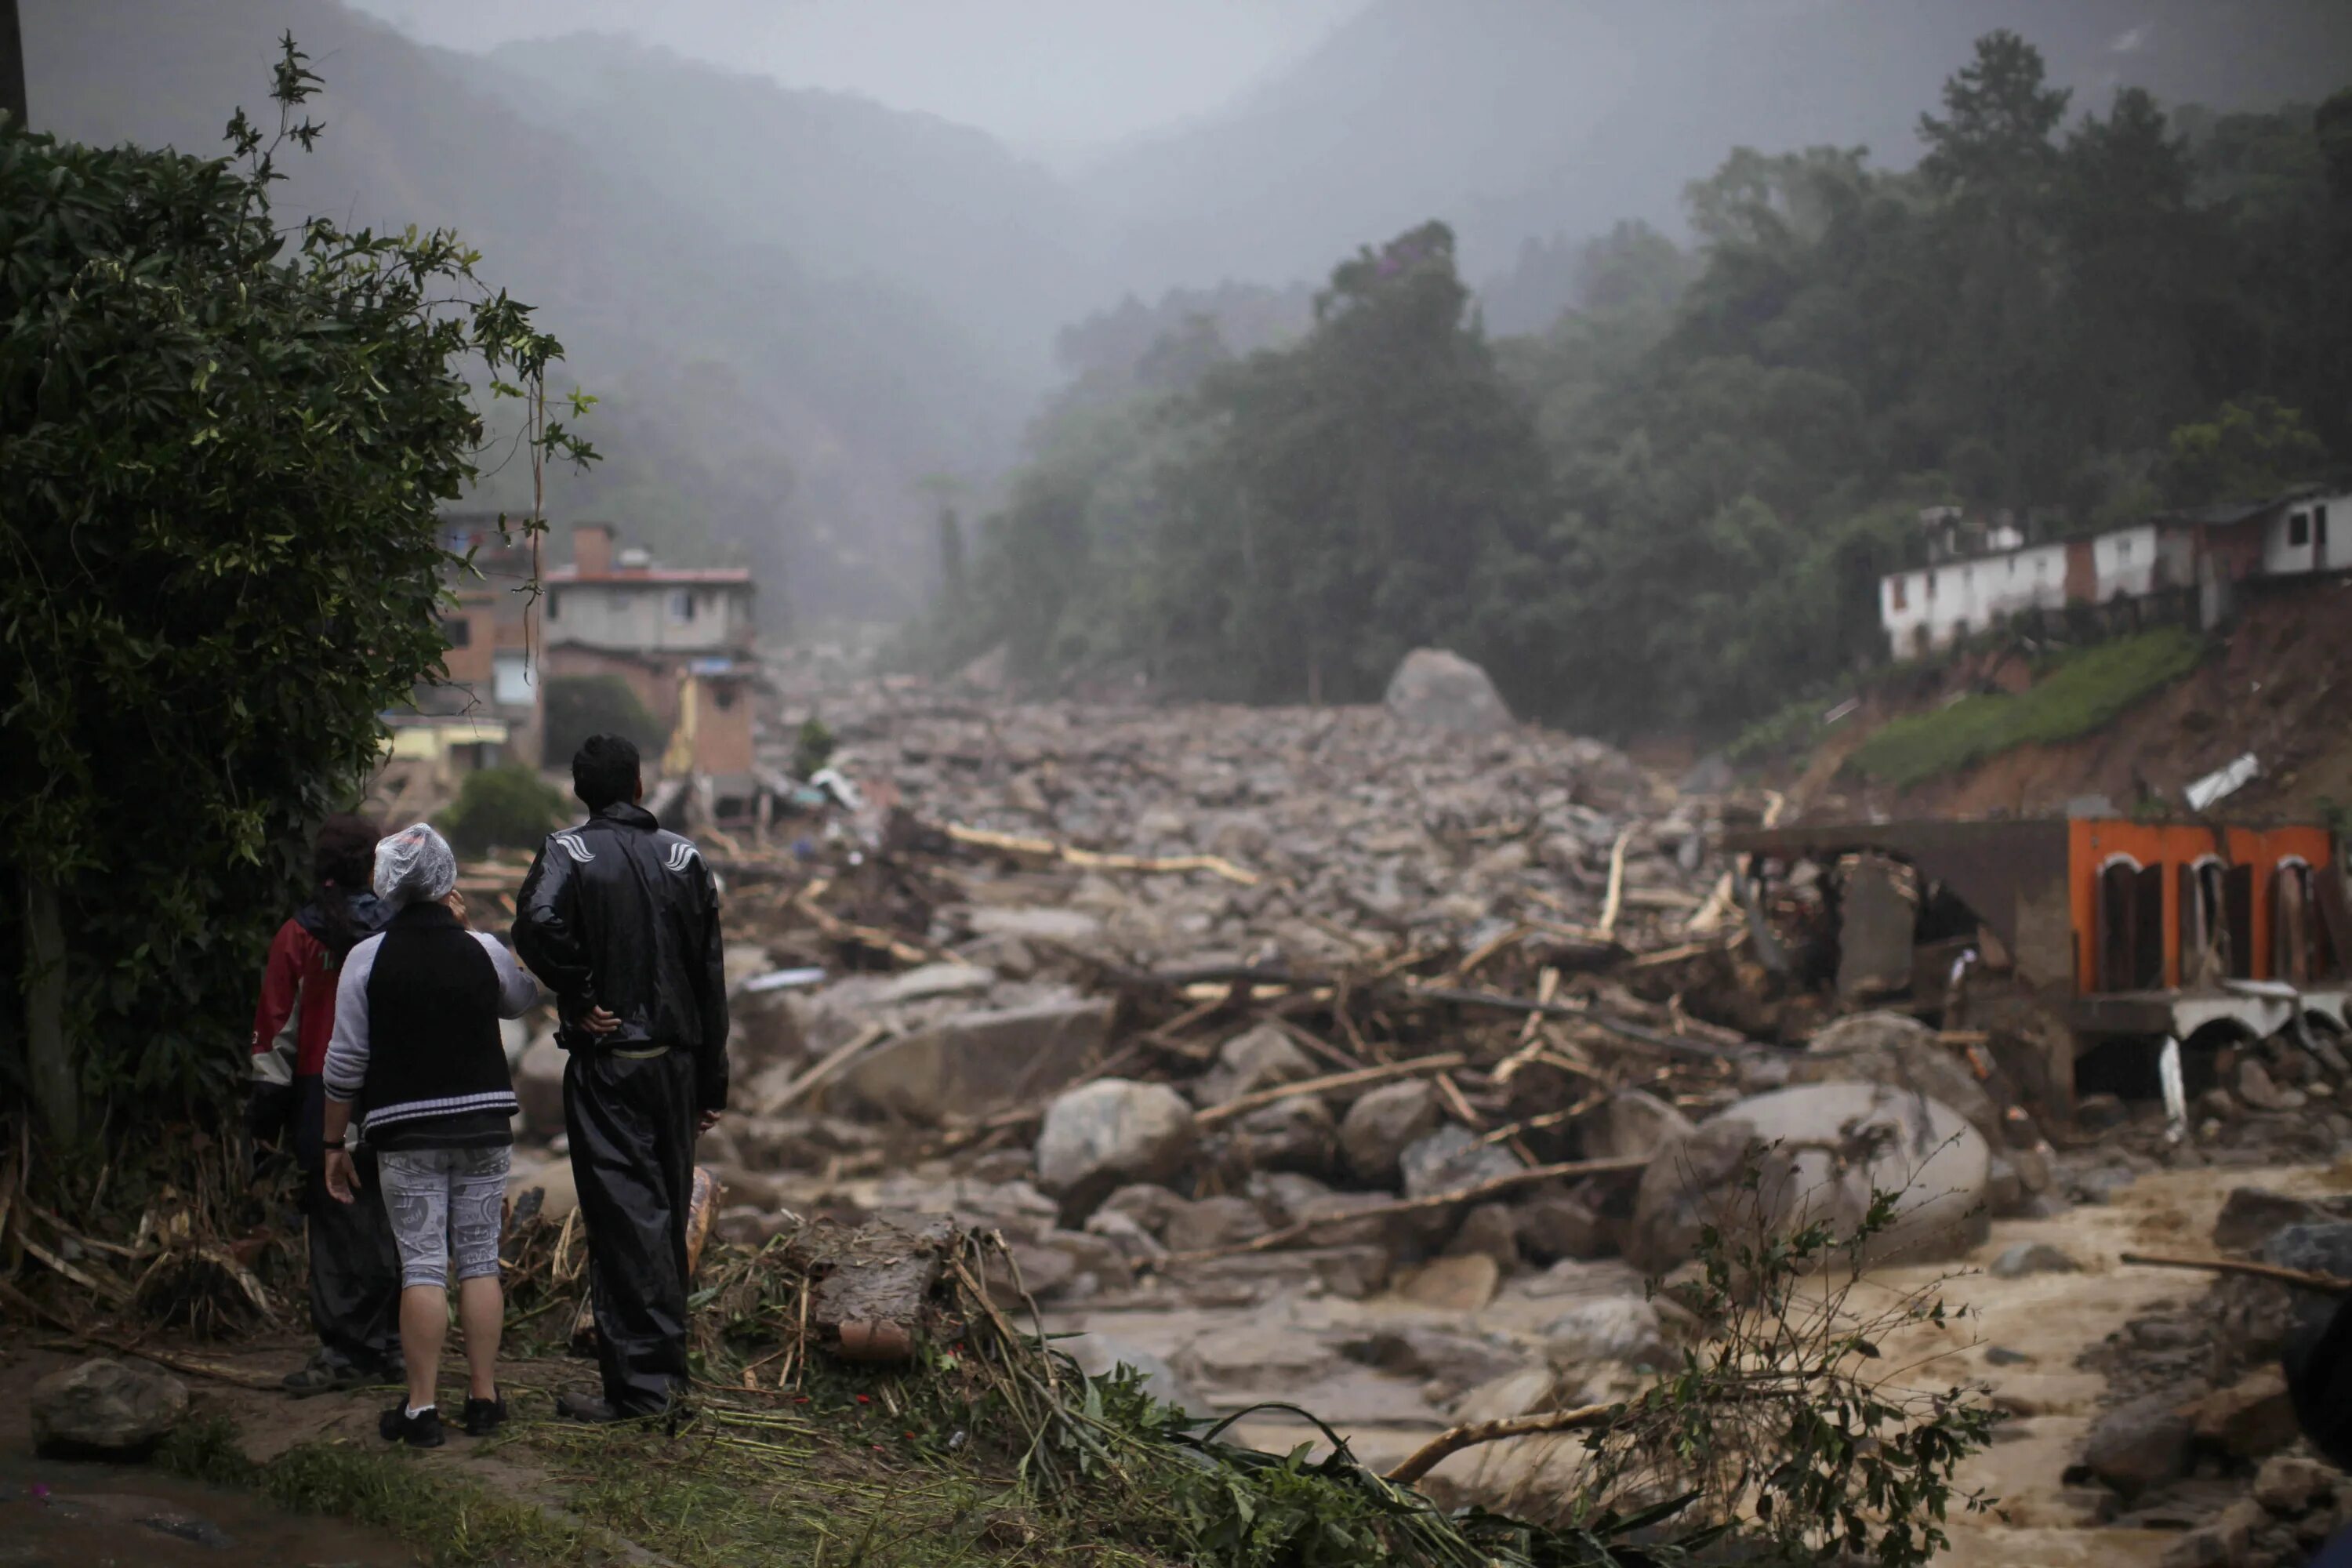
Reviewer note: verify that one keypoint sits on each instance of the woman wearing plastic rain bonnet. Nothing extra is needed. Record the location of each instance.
(417, 1054)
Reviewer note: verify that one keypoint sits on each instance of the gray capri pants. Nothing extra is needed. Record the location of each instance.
(445, 1202)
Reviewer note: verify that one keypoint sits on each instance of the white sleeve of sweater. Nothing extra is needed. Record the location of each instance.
(518, 992)
(347, 1051)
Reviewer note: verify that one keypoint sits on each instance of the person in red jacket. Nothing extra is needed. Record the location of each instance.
(354, 1264)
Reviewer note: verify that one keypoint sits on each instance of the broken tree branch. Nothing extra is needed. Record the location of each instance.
(865, 1040)
(1616, 896)
(2302, 1279)
(1472, 1193)
(1071, 855)
(1453, 1439)
(1242, 1104)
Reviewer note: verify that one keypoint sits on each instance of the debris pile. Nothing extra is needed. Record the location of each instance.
(2201, 1436)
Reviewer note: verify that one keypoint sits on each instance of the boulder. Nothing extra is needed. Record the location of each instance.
(539, 1086)
(1553, 1226)
(2251, 1215)
(1149, 1207)
(2257, 1092)
(973, 1064)
(1440, 691)
(1490, 1229)
(2226, 1542)
(1451, 1157)
(1283, 1195)
(1623, 1329)
(2139, 1446)
(1261, 1058)
(1425, 1352)
(2290, 1483)
(1630, 1124)
(2033, 1257)
(1521, 1393)
(2251, 1418)
(764, 1032)
(1210, 1223)
(2322, 1248)
(1104, 1135)
(106, 1409)
(1821, 1149)
(1900, 1052)
(1382, 1230)
(1297, 1135)
(1379, 1126)
(1461, 1283)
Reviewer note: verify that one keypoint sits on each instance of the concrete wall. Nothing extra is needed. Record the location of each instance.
(651, 617)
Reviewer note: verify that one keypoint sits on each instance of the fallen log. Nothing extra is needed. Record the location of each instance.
(1096, 859)
(2302, 1279)
(1471, 1194)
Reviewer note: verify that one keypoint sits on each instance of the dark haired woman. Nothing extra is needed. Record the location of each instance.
(354, 1267)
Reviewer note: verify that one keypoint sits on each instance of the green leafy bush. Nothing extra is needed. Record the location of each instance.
(223, 442)
(506, 808)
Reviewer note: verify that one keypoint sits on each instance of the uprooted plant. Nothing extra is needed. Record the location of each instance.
(1785, 1428)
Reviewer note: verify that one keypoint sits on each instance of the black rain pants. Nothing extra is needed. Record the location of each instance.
(631, 1118)
(354, 1270)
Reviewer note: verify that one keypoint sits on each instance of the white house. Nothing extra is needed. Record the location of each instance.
(2312, 534)
(624, 602)
(1928, 606)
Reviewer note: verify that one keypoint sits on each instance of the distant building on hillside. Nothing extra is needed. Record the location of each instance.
(682, 638)
(2191, 564)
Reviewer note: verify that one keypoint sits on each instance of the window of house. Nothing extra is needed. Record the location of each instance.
(681, 605)
(2123, 549)
(2298, 528)
(2319, 528)
(460, 630)
(554, 602)
(1897, 595)
(511, 682)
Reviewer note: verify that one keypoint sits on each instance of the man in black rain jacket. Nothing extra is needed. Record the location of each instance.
(620, 920)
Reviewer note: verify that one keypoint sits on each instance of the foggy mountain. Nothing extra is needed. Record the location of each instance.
(1514, 121)
(796, 304)
(850, 188)
(751, 405)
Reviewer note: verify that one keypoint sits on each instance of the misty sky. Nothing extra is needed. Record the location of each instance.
(1058, 79)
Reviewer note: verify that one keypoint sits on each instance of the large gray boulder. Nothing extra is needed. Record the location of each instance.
(1450, 1158)
(1382, 1124)
(1295, 1134)
(1107, 1134)
(1822, 1151)
(973, 1064)
(1439, 690)
(1261, 1058)
(1900, 1052)
(108, 1408)
(1630, 1124)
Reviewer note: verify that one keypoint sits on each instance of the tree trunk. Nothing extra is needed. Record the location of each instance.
(12, 66)
(56, 1094)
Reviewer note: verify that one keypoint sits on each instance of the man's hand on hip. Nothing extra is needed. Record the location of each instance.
(707, 1120)
(599, 1021)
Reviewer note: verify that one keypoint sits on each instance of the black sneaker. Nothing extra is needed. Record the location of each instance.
(484, 1417)
(422, 1430)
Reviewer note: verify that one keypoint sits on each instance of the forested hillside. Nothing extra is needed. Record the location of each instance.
(1671, 509)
